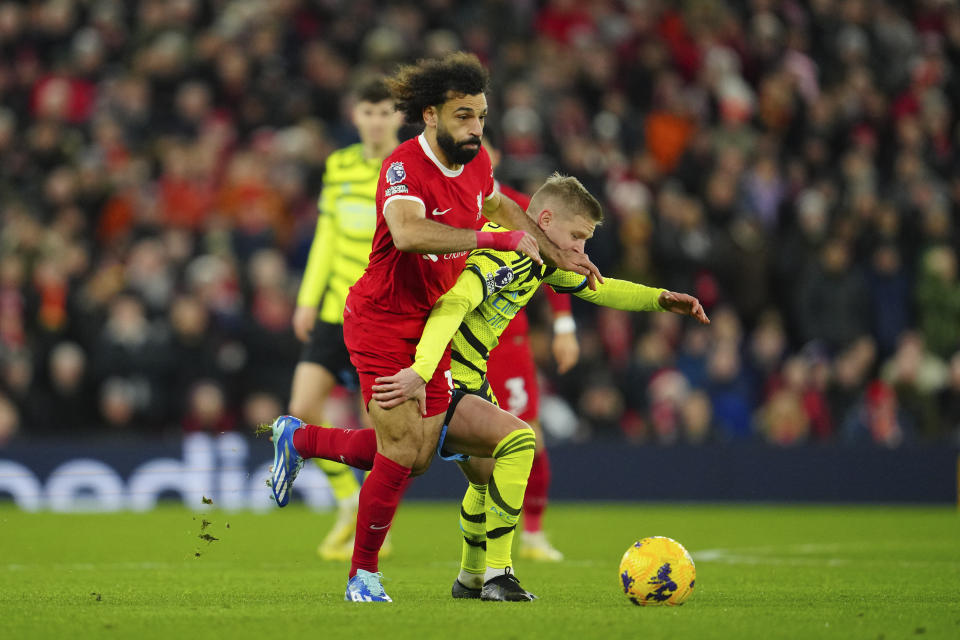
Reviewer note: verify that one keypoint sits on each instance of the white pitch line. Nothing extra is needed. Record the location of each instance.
(726, 557)
(769, 556)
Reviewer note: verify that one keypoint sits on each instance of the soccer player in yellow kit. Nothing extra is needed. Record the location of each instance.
(338, 255)
(470, 317)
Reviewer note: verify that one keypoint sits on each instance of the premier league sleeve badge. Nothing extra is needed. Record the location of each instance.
(396, 173)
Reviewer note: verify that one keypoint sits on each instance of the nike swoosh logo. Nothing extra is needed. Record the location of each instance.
(437, 212)
(376, 528)
(343, 460)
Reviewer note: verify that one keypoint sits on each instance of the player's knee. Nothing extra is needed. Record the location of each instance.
(401, 447)
(514, 425)
(420, 467)
(400, 452)
(424, 458)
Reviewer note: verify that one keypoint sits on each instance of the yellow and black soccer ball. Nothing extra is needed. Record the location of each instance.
(656, 571)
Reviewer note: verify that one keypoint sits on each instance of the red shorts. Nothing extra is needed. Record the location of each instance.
(513, 377)
(376, 350)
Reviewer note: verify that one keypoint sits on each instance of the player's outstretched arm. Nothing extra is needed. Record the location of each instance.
(507, 213)
(628, 296)
(442, 325)
(413, 232)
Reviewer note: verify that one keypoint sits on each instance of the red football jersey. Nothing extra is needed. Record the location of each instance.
(404, 286)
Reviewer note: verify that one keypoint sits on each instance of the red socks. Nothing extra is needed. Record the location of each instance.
(352, 447)
(535, 499)
(379, 497)
(381, 491)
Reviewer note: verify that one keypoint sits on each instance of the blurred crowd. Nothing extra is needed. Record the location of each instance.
(795, 165)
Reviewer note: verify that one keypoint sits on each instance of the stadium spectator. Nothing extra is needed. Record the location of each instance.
(938, 300)
(729, 391)
(850, 376)
(697, 418)
(69, 405)
(831, 301)
(888, 284)
(917, 376)
(877, 418)
(207, 409)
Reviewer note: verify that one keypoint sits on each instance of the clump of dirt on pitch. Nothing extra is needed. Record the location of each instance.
(204, 523)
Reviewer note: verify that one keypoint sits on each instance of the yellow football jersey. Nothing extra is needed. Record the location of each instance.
(493, 287)
(345, 227)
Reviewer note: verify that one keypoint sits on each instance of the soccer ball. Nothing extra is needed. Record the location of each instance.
(657, 571)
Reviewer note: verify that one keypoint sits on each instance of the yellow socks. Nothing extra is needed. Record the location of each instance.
(514, 457)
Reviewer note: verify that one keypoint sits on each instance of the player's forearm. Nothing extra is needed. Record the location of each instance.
(427, 236)
(624, 295)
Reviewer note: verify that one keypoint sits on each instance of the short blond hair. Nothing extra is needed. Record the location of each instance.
(567, 195)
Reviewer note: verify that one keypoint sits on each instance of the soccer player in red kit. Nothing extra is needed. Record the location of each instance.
(433, 195)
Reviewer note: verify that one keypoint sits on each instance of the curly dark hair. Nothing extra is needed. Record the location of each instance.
(429, 83)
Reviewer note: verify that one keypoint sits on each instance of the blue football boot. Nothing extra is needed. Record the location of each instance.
(366, 587)
(286, 461)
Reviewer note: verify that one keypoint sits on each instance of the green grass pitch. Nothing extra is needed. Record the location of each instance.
(762, 572)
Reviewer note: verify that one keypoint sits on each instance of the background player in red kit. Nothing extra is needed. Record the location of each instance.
(433, 194)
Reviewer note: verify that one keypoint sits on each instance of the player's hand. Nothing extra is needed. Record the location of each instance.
(576, 261)
(304, 318)
(510, 241)
(685, 305)
(566, 350)
(528, 246)
(406, 384)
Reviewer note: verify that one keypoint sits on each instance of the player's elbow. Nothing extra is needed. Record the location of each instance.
(453, 304)
(403, 242)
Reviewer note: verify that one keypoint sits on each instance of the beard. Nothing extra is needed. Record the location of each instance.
(457, 152)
